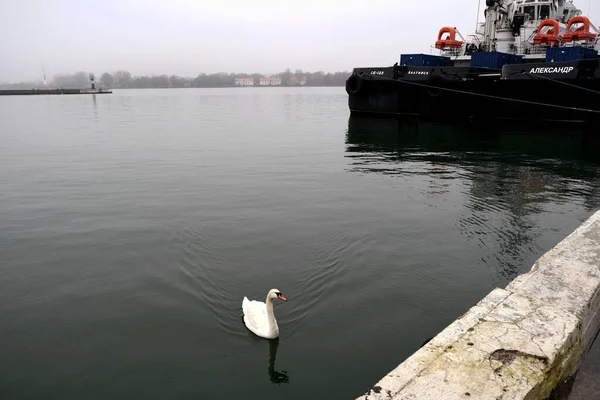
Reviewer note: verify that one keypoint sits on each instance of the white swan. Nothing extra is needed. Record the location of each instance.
(259, 317)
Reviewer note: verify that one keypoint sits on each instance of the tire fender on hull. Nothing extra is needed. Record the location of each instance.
(434, 81)
(354, 84)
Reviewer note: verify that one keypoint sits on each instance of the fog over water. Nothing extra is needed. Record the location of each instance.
(186, 37)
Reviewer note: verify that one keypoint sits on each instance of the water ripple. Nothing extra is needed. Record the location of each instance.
(205, 276)
(321, 276)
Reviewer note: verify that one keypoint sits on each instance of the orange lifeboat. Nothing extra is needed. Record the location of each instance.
(581, 33)
(547, 33)
(450, 42)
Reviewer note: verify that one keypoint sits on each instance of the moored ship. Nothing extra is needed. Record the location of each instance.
(527, 60)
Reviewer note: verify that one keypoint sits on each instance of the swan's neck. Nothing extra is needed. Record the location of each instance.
(270, 313)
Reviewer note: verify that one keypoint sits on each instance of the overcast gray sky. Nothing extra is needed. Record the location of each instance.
(186, 37)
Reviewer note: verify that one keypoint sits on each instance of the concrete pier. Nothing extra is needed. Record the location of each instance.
(520, 342)
(27, 92)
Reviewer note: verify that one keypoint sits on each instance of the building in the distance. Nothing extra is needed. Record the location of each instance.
(298, 80)
(244, 81)
(272, 81)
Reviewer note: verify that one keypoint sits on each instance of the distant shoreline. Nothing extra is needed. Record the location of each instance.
(58, 89)
(124, 80)
(224, 87)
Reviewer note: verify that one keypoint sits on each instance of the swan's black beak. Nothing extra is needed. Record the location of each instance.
(281, 297)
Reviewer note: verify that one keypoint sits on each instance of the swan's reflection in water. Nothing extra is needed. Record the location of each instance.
(276, 376)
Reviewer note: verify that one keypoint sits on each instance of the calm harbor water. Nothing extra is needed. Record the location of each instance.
(133, 224)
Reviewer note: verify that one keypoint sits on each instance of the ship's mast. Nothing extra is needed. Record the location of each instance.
(491, 18)
(477, 21)
(496, 13)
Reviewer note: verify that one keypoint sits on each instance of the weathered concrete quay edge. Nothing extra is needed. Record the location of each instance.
(520, 342)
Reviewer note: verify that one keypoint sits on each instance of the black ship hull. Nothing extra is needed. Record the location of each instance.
(568, 91)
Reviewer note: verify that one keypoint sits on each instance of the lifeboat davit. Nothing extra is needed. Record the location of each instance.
(547, 33)
(582, 32)
(449, 42)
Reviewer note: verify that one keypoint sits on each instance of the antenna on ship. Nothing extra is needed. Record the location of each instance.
(478, 9)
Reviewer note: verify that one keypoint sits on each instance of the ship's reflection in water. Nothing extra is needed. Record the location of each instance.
(497, 182)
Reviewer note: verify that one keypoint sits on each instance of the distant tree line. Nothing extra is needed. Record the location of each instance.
(124, 79)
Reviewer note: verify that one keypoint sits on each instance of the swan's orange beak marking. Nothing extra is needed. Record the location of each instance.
(281, 297)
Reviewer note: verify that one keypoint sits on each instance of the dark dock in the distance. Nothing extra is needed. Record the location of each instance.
(18, 92)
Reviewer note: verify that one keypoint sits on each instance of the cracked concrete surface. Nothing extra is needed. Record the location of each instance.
(520, 342)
